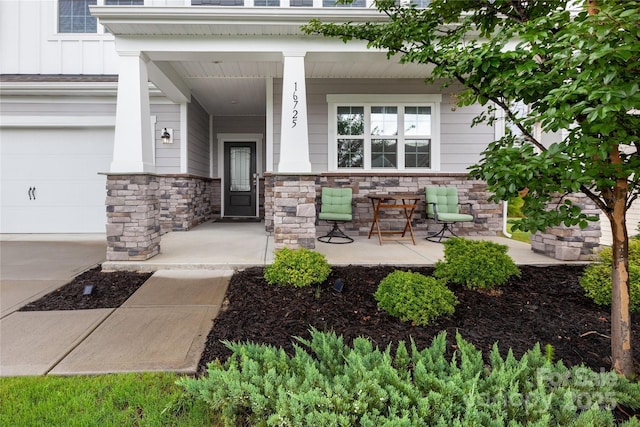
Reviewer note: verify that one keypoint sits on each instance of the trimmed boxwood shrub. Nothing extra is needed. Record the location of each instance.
(476, 264)
(414, 297)
(297, 267)
(596, 280)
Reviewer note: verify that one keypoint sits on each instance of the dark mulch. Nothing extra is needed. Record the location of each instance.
(545, 305)
(110, 290)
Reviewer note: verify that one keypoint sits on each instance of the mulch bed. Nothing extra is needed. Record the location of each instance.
(110, 290)
(545, 305)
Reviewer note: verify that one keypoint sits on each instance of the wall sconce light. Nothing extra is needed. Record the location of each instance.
(167, 136)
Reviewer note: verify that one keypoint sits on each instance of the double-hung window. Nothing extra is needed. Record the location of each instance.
(384, 132)
(74, 15)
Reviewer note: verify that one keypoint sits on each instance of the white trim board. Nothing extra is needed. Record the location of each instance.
(57, 121)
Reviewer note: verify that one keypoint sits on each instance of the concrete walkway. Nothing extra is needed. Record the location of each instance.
(163, 326)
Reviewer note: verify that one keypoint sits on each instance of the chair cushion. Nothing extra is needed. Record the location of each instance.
(452, 217)
(336, 204)
(445, 198)
(334, 216)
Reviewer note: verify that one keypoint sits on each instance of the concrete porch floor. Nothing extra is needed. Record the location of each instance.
(230, 246)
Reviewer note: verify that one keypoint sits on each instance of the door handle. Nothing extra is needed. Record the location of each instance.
(32, 193)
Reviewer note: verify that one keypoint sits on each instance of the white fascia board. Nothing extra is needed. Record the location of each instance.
(235, 48)
(92, 89)
(216, 15)
(59, 88)
(57, 121)
(366, 98)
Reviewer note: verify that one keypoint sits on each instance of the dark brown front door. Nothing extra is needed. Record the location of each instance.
(240, 179)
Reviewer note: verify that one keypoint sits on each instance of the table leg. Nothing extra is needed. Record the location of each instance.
(409, 216)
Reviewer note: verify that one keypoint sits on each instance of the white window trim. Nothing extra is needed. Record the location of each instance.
(100, 33)
(430, 100)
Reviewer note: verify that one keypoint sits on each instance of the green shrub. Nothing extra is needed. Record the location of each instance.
(414, 297)
(596, 280)
(514, 207)
(297, 267)
(477, 264)
(329, 383)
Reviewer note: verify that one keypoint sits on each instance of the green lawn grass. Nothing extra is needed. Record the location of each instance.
(148, 399)
(521, 236)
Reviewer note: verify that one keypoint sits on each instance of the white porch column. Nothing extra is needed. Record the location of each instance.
(133, 143)
(294, 131)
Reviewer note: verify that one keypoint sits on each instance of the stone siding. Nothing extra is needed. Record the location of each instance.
(133, 212)
(488, 214)
(570, 243)
(186, 201)
(293, 207)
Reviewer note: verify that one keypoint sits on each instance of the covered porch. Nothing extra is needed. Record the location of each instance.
(227, 245)
(256, 119)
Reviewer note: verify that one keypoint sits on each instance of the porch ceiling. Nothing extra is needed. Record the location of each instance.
(224, 55)
(235, 87)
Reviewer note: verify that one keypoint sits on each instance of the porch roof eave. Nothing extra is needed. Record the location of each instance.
(214, 20)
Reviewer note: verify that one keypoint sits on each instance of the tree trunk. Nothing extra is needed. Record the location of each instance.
(621, 354)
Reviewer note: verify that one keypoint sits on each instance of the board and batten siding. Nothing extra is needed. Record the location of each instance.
(199, 154)
(30, 44)
(460, 145)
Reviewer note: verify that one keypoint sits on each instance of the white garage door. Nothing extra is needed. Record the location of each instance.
(50, 181)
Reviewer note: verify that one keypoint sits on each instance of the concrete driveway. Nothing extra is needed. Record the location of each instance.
(33, 265)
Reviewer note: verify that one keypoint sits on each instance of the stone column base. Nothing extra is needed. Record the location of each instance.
(133, 213)
(294, 211)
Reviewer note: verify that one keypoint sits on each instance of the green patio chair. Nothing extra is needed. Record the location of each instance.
(336, 206)
(443, 207)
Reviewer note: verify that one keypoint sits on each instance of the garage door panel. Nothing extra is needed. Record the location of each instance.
(38, 220)
(64, 169)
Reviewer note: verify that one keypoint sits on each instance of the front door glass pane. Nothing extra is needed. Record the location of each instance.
(240, 168)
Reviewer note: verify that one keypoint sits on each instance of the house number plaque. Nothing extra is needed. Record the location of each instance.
(294, 112)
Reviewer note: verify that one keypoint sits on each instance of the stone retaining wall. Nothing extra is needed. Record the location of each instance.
(570, 243)
(488, 214)
(186, 201)
(141, 207)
